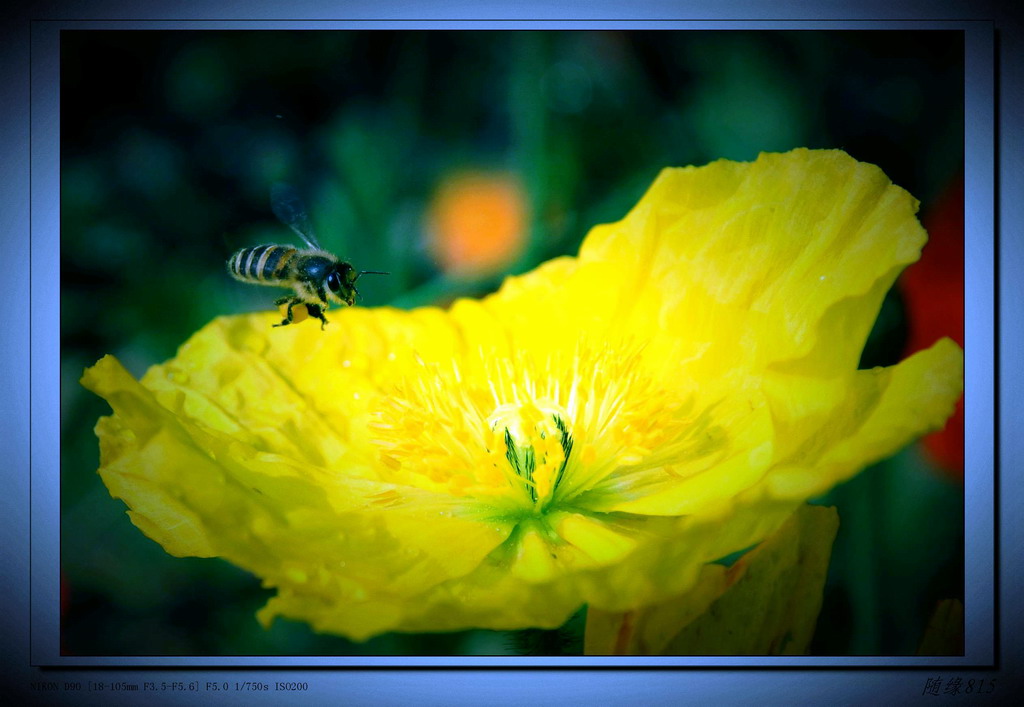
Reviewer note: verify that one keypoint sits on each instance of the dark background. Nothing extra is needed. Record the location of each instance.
(169, 144)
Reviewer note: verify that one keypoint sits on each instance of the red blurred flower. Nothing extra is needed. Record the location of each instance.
(933, 289)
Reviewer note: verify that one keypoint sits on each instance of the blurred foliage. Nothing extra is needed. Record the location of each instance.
(170, 141)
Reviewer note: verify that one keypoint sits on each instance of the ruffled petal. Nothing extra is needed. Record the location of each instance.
(833, 428)
(756, 264)
(315, 533)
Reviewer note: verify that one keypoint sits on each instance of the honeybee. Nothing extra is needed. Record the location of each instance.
(316, 275)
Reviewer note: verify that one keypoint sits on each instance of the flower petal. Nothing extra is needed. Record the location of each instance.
(834, 428)
(765, 604)
(746, 262)
(667, 559)
(737, 452)
(311, 532)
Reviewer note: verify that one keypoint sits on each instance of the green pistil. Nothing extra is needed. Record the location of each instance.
(523, 460)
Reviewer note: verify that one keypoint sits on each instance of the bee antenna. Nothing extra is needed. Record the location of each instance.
(370, 272)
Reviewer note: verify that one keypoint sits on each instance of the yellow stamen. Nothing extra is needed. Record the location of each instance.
(488, 426)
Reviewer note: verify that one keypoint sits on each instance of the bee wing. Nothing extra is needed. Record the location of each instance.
(287, 205)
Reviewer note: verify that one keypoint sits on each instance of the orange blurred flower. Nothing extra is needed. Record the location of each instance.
(934, 292)
(477, 222)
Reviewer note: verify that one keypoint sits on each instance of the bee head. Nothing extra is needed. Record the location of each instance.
(341, 282)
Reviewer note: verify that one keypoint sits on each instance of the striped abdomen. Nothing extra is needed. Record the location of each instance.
(266, 264)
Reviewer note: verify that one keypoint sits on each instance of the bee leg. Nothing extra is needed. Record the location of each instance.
(316, 311)
(291, 303)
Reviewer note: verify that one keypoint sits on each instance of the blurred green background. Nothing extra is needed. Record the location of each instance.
(169, 144)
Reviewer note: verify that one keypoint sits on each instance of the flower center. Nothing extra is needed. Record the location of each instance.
(536, 443)
(522, 435)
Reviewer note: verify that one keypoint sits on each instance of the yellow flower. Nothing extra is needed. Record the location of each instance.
(594, 433)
